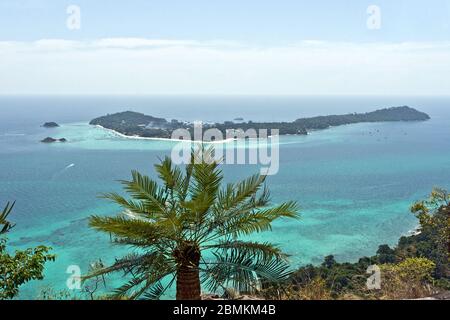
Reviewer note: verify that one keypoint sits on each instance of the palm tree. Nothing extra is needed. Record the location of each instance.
(175, 226)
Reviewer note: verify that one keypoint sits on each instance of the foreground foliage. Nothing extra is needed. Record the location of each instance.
(411, 278)
(417, 267)
(22, 266)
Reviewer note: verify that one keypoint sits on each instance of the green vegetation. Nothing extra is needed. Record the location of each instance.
(187, 231)
(433, 241)
(137, 124)
(417, 267)
(410, 278)
(23, 266)
(390, 114)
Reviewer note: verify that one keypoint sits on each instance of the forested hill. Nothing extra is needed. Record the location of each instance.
(137, 124)
(129, 119)
(389, 114)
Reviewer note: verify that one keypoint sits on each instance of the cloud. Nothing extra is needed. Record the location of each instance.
(155, 66)
(111, 43)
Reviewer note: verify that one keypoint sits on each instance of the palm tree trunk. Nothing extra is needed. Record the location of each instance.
(188, 283)
(188, 275)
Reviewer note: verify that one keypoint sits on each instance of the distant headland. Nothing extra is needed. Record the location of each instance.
(134, 124)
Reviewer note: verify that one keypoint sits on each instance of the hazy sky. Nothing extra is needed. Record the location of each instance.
(225, 47)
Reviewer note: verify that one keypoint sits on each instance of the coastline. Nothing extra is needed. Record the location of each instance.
(132, 123)
(165, 139)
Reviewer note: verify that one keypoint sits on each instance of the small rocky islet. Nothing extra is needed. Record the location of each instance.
(50, 125)
(52, 140)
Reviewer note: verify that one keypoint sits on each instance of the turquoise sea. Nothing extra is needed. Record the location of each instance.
(355, 183)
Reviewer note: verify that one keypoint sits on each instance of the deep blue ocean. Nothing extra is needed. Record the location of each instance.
(354, 183)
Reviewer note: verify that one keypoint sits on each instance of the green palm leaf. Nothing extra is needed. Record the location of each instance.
(259, 250)
(244, 271)
(235, 194)
(145, 189)
(245, 222)
(127, 228)
(156, 291)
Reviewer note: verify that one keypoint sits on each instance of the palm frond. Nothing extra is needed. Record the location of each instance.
(149, 268)
(205, 171)
(125, 265)
(145, 189)
(263, 199)
(264, 250)
(137, 207)
(204, 184)
(123, 290)
(235, 194)
(170, 175)
(157, 290)
(123, 227)
(244, 223)
(139, 243)
(152, 289)
(244, 271)
(207, 180)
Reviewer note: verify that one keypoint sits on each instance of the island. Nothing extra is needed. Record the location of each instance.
(50, 125)
(51, 140)
(134, 124)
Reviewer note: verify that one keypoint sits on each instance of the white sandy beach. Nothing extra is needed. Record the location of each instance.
(165, 139)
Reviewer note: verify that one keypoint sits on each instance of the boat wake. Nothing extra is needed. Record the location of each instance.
(56, 175)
